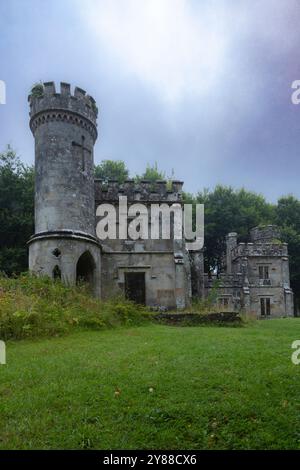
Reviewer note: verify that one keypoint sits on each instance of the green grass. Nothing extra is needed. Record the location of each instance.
(154, 387)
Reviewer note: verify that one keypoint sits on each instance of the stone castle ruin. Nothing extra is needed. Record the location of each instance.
(160, 273)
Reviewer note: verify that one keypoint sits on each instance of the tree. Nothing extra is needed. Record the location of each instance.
(16, 212)
(152, 173)
(288, 219)
(288, 212)
(228, 210)
(112, 169)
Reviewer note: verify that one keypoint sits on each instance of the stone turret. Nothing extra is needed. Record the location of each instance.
(64, 126)
(265, 234)
(231, 242)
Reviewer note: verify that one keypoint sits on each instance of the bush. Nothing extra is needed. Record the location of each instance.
(37, 91)
(33, 306)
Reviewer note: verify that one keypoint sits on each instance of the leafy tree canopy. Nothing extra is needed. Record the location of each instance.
(152, 173)
(16, 211)
(287, 217)
(112, 169)
(229, 210)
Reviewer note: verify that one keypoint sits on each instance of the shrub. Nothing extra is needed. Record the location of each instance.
(33, 306)
(37, 91)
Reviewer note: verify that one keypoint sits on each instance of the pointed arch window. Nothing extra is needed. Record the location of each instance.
(56, 273)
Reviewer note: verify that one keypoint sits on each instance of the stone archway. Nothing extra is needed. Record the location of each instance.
(85, 269)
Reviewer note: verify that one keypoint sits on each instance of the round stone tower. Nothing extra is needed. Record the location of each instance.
(65, 130)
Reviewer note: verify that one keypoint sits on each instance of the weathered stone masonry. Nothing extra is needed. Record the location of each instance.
(164, 263)
(65, 131)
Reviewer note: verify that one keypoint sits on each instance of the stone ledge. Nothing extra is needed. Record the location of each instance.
(198, 318)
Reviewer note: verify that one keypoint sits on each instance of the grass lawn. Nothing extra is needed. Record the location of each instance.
(154, 387)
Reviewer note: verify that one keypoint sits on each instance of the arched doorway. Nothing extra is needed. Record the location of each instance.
(85, 269)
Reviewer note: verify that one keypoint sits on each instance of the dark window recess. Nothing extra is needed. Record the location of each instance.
(82, 156)
(263, 272)
(56, 252)
(56, 273)
(135, 287)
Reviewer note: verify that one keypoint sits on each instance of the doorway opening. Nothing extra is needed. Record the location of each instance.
(265, 307)
(135, 287)
(85, 270)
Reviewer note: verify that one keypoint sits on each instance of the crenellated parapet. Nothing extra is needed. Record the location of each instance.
(265, 233)
(144, 191)
(260, 249)
(47, 106)
(224, 280)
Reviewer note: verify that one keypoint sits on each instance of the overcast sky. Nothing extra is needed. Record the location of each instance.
(201, 87)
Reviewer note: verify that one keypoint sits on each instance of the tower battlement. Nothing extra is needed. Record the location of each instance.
(47, 105)
(265, 233)
(145, 190)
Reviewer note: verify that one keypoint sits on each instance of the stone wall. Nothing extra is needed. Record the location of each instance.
(64, 252)
(143, 191)
(265, 233)
(164, 261)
